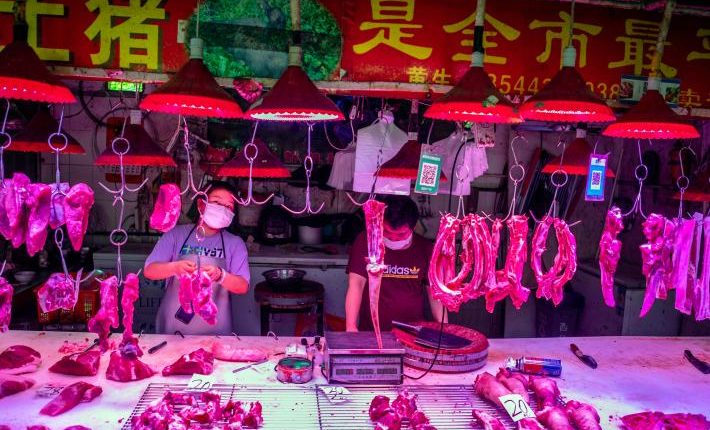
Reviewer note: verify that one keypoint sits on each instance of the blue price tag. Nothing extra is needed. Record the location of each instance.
(596, 178)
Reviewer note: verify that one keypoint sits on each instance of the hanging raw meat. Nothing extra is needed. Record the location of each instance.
(683, 242)
(510, 282)
(70, 397)
(656, 258)
(517, 383)
(131, 288)
(442, 267)
(56, 210)
(546, 391)
(196, 293)
(13, 384)
(5, 190)
(19, 359)
(168, 206)
(469, 248)
(554, 418)
(609, 253)
(485, 255)
(551, 283)
(13, 221)
(59, 292)
(489, 388)
(107, 316)
(701, 297)
(488, 421)
(6, 293)
(83, 364)
(126, 369)
(583, 416)
(198, 361)
(38, 203)
(374, 222)
(77, 206)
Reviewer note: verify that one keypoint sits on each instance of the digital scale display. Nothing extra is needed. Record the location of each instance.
(353, 358)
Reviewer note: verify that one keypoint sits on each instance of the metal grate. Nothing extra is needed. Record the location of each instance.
(287, 407)
(447, 406)
(295, 407)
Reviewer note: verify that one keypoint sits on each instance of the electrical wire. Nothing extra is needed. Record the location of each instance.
(438, 350)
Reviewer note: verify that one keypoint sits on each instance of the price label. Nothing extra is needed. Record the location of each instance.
(335, 394)
(200, 383)
(516, 407)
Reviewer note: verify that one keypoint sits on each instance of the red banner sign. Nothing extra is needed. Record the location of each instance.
(415, 41)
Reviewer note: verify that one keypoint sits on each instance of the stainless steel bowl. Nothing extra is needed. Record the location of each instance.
(284, 277)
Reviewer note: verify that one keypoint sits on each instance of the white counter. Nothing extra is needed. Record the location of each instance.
(634, 374)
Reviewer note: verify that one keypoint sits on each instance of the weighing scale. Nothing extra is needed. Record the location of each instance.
(353, 358)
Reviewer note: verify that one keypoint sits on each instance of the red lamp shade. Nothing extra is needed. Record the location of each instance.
(33, 138)
(405, 164)
(566, 98)
(295, 98)
(266, 165)
(576, 160)
(651, 118)
(474, 99)
(24, 76)
(143, 151)
(193, 91)
(693, 194)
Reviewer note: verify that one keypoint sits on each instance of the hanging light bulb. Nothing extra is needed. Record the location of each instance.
(294, 97)
(143, 151)
(33, 138)
(475, 98)
(651, 118)
(566, 97)
(23, 75)
(576, 157)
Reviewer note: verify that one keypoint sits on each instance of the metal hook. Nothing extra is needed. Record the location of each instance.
(2, 269)
(250, 187)
(308, 166)
(641, 173)
(683, 181)
(190, 186)
(355, 202)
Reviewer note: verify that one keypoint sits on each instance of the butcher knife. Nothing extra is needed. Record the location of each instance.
(698, 363)
(586, 359)
(429, 337)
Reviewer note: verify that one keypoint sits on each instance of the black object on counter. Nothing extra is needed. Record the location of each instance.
(586, 359)
(698, 363)
(158, 347)
(429, 337)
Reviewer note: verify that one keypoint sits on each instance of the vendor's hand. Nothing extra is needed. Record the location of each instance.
(213, 272)
(183, 267)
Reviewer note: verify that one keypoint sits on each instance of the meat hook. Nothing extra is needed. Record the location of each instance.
(250, 187)
(4, 146)
(683, 181)
(308, 166)
(641, 174)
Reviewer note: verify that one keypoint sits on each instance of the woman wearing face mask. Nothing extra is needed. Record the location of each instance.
(404, 282)
(222, 256)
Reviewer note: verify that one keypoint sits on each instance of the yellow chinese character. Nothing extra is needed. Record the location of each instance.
(705, 55)
(441, 77)
(139, 42)
(33, 10)
(417, 75)
(390, 33)
(563, 36)
(639, 46)
(464, 27)
(689, 99)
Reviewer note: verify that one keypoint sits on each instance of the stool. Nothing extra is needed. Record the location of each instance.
(300, 299)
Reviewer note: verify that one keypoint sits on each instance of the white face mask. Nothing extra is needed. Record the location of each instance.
(217, 216)
(398, 244)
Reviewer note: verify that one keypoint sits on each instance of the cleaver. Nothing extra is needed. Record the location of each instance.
(429, 337)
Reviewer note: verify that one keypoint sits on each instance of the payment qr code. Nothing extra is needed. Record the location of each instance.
(596, 179)
(428, 175)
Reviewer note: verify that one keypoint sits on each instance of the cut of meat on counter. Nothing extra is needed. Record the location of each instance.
(517, 383)
(660, 420)
(82, 364)
(127, 369)
(583, 416)
(489, 388)
(546, 391)
(13, 384)
(77, 427)
(70, 397)
(530, 424)
(401, 413)
(554, 418)
(227, 350)
(199, 361)
(488, 421)
(6, 293)
(19, 359)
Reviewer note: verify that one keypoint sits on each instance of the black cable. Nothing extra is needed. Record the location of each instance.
(438, 349)
(453, 172)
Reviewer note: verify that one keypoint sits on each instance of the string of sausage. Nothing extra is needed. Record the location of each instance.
(374, 219)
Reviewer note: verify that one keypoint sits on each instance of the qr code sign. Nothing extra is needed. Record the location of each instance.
(428, 175)
(596, 179)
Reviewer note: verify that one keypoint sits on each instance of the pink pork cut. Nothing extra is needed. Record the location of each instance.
(107, 316)
(510, 279)
(488, 421)
(554, 418)
(70, 397)
(442, 265)
(77, 206)
(683, 243)
(59, 292)
(374, 225)
(13, 384)
(19, 359)
(198, 361)
(38, 203)
(378, 407)
(489, 388)
(167, 208)
(656, 258)
(127, 369)
(84, 364)
(6, 293)
(530, 424)
(515, 382)
(583, 416)
(56, 207)
(609, 253)
(701, 301)
(226, 350)
(13, 221)
(551, 283)
(131, 288)
(546, 391)
(405, 404)
(661, 421)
